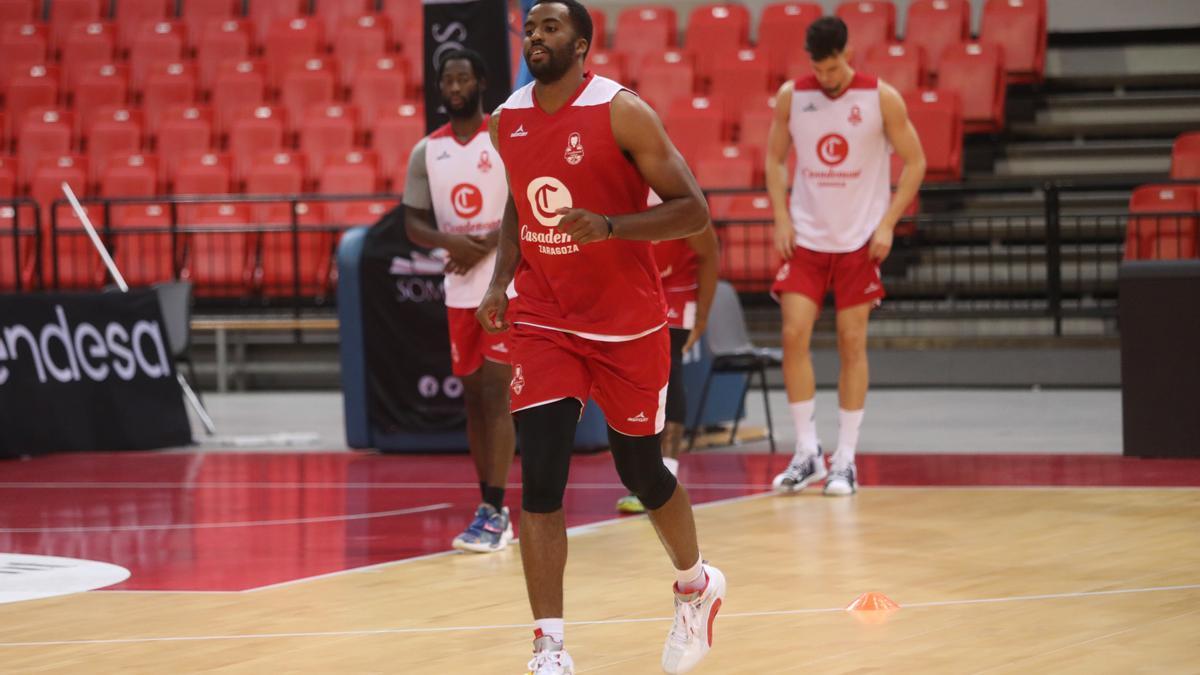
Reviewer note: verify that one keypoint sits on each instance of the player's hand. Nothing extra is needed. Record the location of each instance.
(694, 337)
(583, 226)
(465, 252)
(491, 312)
(785, 239)
(881, 244)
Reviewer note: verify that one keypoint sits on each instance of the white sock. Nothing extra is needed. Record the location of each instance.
(692, 579)
(672, 465)
(552, 628)
(848, 423)
(804, 418)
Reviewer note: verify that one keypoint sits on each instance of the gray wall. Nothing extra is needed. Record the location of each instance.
(1065, 15)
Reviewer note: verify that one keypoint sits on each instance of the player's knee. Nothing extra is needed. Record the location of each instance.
(541, 498)
(796, 334)
(639, 464)
(852, 343)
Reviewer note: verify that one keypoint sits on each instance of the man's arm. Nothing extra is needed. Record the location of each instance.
(419, 222)
(779, 144)
(492, 310)
(683, 212)
(708, 259)
(903, 137)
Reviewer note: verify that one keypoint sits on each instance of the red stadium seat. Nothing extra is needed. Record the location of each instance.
(728, 167)
(666, 77)
(183, 131)
(976, 73)
(218, 262)
(21, 47)
(608, 64)
(218, 42)
(870, 22)
(1185, 156)
(393, 137)
(934, 25)
(199, 12)
(18, 256)
(378, 86)
(87, 45)
(37, 87)
(131, 15)
(19, 11)
(142, 242)
(167, 85)
(647, 29)
(937, 117)
(253, 132)
(350, 173)
(268, 13)
(1019, 28)
(781, 33)
(128, 175)
(407, 26)
(723, 25)
(600, 39)
(8, 177)
(310, 82)
(203, 173)
(238, 85)
(1162, 237)
(156, 42)
(327, 132)
(105, 87)
(274, 173)
(72, 261)
(45, 133)
(745, 228)
(335, 13)
(901, 66)
(694, 123)
(64, 14)
(741, 76)
(289, 42)
(360, 41)
(283, 174)
(113, 132)
(755, 123)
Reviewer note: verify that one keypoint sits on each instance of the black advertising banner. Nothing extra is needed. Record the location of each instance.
(410, 385)
(87, 372)
(481, 25)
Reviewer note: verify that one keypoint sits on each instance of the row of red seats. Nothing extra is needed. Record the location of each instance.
(1167, 228)
(1018, 27)
(324, 134)
(129, 15)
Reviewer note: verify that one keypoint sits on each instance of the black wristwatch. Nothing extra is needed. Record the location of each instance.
(608, 221)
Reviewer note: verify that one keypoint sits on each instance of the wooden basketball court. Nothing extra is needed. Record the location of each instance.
(1003, 579)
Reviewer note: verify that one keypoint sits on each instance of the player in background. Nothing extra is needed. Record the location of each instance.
(834, 232)
(454, 198)
(589, 317)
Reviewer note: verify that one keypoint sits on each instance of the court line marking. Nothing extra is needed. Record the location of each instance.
(246, 523)
(515, 486)
(599, 622)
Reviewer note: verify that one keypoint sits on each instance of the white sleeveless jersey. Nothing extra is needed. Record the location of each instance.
(841, 189)
(468, 191)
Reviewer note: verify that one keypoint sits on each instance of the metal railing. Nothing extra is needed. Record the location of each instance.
(20, 245)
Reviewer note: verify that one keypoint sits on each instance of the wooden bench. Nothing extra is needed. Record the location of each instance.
(221, 328)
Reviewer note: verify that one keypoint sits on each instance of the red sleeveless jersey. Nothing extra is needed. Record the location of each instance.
(571, 159)
(677, 264)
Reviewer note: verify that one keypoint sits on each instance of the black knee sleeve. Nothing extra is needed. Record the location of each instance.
(546, 435)
(640, 466)
(676, 393)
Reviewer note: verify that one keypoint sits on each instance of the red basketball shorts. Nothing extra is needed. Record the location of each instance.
(470, 344)
(853, 277)
(627, 379)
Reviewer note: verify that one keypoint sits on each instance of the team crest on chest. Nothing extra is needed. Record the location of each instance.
(485, 162)
(855, 116)
(574, 152)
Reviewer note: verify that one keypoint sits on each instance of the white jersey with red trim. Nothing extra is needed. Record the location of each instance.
(469, 191)
(841, 189)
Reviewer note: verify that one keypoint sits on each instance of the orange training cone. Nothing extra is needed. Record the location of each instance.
(873, 608)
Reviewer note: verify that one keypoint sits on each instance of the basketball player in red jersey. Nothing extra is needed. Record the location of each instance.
(454, 198)
(589, 317)
(834, 232)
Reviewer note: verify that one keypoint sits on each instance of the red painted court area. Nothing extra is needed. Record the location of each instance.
(232, 522)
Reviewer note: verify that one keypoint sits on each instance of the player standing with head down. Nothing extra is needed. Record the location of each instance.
(589, 318)
(454, 197)
(834, 232)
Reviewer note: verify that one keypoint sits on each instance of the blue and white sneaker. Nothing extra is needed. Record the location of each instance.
(843, 480)
(800, 473)
(491, 531)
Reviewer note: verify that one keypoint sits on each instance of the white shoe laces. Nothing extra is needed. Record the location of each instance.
(687, 620)
(546, 662)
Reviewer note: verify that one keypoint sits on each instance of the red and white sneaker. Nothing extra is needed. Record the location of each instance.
(691, 635)
(549, 657)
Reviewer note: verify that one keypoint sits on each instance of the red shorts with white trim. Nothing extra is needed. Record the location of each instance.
(627, 379)
(470, 344)
(853, 277)
(681, 308)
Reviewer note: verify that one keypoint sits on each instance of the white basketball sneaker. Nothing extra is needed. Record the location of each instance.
(549, 657)
(691, 635)
(842, 481)
(800, 473)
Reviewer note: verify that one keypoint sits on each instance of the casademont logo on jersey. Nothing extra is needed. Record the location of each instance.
(467, 200)
(68, 353)
(832, 150)
(546, 196)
